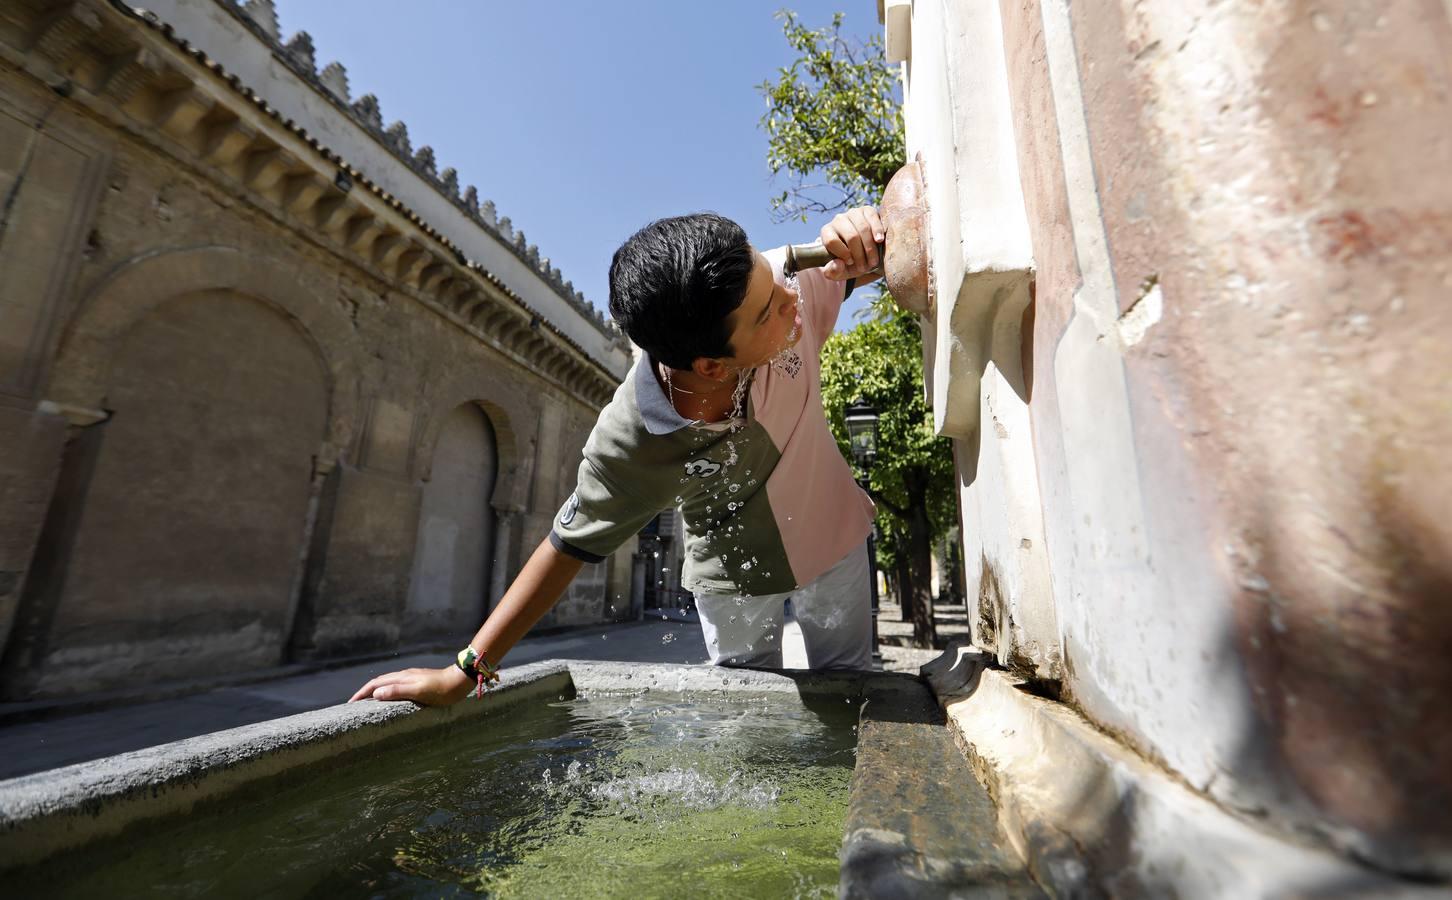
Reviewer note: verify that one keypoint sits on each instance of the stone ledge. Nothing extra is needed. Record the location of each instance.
(59, 809)
(918, 825)
(722, 681)
(1092, 818)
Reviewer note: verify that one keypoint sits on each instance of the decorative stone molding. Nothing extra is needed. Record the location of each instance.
(82, 370)
(264, 14)
(297, 53)
(508, 415)
(78, 416)
(335, 78)
(368, 112)
(397, 137)
(300, 50)
(960, 129)
(186, 104)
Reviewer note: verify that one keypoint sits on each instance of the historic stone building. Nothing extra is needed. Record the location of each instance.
(1192, 265)
(271, 387)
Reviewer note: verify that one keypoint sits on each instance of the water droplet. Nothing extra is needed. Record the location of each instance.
(735, 488)
(680, 499)
(745, 566)
(667, 637)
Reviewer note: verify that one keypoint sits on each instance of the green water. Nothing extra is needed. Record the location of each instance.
(601, 797)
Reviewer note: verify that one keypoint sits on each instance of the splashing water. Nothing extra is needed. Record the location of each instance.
(693, 797)
(687, 789)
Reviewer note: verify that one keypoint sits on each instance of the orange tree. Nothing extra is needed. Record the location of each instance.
(912, 480)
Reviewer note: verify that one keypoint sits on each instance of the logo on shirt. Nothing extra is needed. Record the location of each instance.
(702, 467)
(567, 513)
(788, 363)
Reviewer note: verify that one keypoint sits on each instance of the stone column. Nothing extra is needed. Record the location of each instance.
(502, 565)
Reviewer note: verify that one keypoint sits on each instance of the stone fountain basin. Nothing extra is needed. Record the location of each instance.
(918, 824)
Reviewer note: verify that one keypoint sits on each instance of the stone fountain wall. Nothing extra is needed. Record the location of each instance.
(242, 323)
(1203, 454)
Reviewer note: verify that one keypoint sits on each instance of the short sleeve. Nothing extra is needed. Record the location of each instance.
(602, 513)
(623, 481)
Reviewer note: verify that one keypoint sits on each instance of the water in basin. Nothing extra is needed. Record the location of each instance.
(603, 796)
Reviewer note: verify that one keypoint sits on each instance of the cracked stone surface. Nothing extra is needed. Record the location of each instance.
(919, 825)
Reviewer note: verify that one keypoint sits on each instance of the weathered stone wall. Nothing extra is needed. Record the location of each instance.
(1213, 508)
(225, 390)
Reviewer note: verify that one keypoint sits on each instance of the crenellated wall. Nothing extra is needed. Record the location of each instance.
(237, 371)
(1205, 501)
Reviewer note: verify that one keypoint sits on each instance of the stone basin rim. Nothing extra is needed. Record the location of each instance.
(50, 812)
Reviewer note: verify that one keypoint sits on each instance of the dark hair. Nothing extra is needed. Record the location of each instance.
(675, 283)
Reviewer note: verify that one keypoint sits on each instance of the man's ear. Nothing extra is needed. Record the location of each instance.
(711, 369)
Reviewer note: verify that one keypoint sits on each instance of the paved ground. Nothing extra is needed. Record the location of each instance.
(63, 739)
(34, 746)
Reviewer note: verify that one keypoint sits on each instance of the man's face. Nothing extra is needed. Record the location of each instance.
(766, 322)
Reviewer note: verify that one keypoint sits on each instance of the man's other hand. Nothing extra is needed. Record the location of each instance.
(427, 687)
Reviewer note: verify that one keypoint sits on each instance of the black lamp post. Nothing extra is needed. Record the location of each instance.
(862, 437)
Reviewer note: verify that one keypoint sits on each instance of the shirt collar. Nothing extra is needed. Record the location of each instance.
(655, 407)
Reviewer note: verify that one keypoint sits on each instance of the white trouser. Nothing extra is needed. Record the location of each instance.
(834, 612)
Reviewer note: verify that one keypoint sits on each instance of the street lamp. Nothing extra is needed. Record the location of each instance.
(862, 433)
(862, 438)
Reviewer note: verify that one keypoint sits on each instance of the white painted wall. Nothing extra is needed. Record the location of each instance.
(960, 126)
(1083, 568)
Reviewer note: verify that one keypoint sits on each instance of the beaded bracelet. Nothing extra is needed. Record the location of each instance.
(471, 663)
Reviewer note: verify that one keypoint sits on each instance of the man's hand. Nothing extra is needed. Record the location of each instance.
(855, 238)
(427, 687)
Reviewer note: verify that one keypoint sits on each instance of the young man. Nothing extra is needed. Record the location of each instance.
(721, 417)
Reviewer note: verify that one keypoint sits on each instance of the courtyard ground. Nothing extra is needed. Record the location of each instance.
(40, 735)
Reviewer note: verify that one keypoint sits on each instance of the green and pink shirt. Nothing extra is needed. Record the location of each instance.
(769, 502)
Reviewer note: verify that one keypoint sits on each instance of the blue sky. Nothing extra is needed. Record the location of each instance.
(582, 121)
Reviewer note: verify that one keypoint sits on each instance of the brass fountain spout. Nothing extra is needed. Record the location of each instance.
(906, 257)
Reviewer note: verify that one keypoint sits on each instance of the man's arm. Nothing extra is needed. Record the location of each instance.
(538, 587)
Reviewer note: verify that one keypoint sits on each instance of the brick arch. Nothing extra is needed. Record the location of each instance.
(508, 411)
(143, 283)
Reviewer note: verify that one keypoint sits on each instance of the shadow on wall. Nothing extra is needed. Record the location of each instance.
(1346, 618)
(1350, 682)
(1112, 847)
